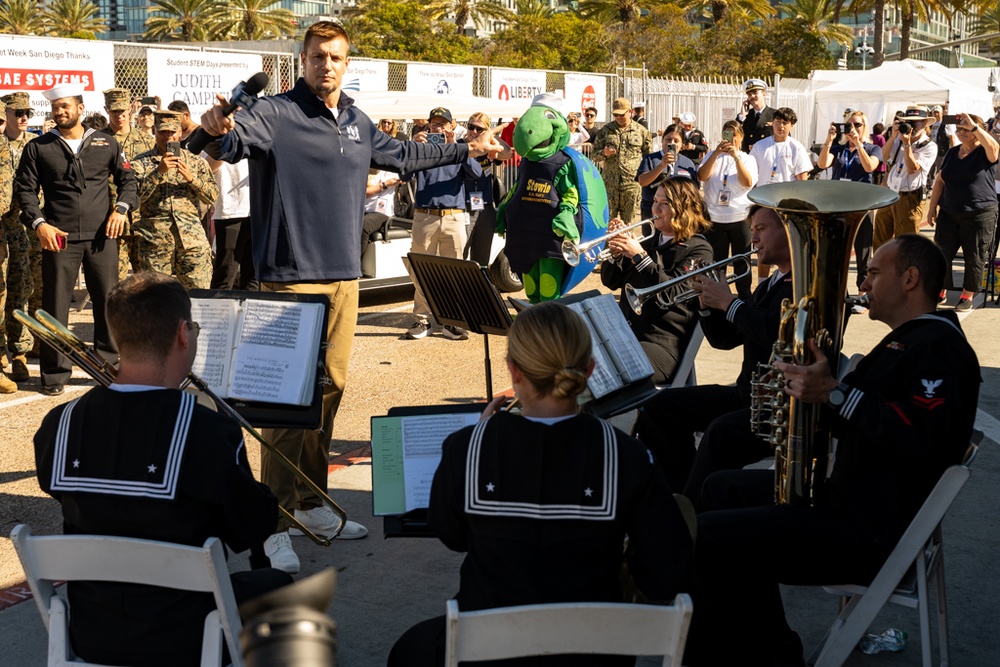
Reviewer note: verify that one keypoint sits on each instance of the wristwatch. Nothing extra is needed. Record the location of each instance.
(122, 209)
(838, 395)
(638, 257)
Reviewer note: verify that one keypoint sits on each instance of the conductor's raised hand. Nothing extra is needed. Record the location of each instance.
(812, 383)
(214, 121)
(487, 143)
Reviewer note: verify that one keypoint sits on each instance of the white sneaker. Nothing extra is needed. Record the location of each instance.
(279, 549)
(324, 522)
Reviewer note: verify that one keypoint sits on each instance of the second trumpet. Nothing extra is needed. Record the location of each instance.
(591, 250)
(638, 296)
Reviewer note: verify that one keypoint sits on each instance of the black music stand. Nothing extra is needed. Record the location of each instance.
(460, 293)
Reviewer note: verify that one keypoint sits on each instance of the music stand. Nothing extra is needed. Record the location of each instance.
(460, 293)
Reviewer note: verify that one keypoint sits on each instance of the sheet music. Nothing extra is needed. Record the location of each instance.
(218, 319)
(618, 357)
(422, 440)
(275, 358)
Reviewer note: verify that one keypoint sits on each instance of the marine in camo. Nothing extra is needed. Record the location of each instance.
(621, 144)
(175, 191)
(134, 142)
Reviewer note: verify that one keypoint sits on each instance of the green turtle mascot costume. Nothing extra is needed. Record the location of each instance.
(559, 197)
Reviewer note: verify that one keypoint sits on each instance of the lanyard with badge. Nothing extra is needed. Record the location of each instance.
(725, 194)
(777, 160)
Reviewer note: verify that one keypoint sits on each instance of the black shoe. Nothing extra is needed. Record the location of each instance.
(52, 389)
(964, 304)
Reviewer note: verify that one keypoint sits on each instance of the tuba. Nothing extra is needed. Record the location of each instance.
(822, 219)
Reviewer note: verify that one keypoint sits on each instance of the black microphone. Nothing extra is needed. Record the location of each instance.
(244, 95)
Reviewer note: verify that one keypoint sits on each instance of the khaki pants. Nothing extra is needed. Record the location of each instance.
(444, 236)
(903, 217)
(310, 450)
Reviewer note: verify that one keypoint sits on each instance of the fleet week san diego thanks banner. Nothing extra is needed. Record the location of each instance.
(35, 64)
(196, 76)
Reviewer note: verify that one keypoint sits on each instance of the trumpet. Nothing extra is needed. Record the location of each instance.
(638, 296)
(52, 332)
(589, 251)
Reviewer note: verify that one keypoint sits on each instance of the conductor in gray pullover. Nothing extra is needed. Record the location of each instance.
(310, 150)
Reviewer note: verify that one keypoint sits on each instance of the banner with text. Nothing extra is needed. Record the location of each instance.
(366, 76)
(195, 77)
(584, 91)
(516, 84)
(35, 64)
(438, 78)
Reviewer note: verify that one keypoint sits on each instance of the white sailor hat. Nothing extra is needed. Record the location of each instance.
(688, 118)
(63, 90)
(551, 101)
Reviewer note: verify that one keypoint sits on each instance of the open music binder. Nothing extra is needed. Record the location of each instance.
(262, 353)
(406, 450)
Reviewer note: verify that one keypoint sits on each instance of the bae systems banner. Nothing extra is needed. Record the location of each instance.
(438, 78)
(367, 76)
(35, 64)
(516, 84)
(584, 91)
(196, 76)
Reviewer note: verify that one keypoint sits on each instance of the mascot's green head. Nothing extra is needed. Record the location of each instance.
(542, 130)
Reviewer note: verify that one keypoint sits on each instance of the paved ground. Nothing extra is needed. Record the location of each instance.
(384, 586)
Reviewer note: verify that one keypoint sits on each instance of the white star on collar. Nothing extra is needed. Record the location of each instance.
(76, 463)
(490, 487)
(588, 492)
(151, 468)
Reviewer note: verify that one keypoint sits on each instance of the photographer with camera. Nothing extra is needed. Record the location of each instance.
(440, 221)
(912, 154)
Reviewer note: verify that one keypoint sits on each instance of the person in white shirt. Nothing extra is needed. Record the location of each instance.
(380, 204)
(232, 266)
(780, 158)
(728, 174)
(909, 157)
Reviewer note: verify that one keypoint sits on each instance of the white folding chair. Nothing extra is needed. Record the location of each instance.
(685, 376)
(53, 558)
(907, 577)
(575, 627)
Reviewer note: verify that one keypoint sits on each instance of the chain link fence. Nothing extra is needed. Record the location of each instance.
(131, 73)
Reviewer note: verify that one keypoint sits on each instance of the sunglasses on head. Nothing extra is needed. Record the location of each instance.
(21, 113)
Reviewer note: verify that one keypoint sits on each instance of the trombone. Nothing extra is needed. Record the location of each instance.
(638, 296)
(52, 332)
(572, 252)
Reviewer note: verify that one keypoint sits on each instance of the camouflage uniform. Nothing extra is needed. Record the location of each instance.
(134, 142)
(168, 230)
(620, 169)
(16, 249)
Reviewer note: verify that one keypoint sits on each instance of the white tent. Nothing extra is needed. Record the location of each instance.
(400, 104)
(879, 92)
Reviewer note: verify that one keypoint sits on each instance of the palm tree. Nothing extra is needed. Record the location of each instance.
(988, 21)
(178, 20)
(250, 20)
(534, 9)
(817, 16)
(73, 18)
(21, 17)
(621, 11)
(719, 10)
(914, 10)
(480, 12)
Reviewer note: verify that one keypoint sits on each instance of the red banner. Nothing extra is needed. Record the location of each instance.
(43, 79)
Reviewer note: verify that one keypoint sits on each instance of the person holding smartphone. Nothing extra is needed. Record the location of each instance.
(666, 161)
(176, 188)
(728, 174)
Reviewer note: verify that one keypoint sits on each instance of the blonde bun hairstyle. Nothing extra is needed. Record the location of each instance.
(550, 344)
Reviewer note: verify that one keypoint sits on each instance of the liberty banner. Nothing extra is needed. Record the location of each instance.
(195, 77)
(35, 64)
(516, 84)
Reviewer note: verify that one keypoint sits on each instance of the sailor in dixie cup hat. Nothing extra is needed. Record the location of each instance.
(64, 90)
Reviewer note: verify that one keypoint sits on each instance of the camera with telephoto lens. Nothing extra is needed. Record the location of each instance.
(904, 127)
(289, 626)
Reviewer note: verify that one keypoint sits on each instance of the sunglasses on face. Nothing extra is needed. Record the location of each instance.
(858, 125)
(21, 113)
(591, 115)
(475, 128)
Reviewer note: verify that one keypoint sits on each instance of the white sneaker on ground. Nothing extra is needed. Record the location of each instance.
(278, 548)
(454, 333)
(324, 523)
(418, 331)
